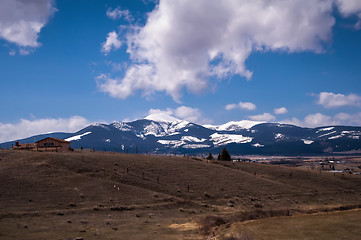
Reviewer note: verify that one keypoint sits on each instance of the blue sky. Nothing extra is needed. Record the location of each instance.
(66, 64)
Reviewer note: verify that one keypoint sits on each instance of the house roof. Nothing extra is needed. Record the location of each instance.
(55, 139)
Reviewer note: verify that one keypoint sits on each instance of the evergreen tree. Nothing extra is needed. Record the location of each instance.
(219, 157)
(210, 156)
(225, 155)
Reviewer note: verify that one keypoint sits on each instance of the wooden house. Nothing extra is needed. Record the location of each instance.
(52, 144)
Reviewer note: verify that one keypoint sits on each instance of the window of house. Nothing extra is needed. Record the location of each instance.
(49, 144)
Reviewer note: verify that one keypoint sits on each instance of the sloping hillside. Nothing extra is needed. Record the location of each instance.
(107, 195)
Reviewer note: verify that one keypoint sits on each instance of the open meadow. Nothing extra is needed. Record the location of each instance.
(99, 195)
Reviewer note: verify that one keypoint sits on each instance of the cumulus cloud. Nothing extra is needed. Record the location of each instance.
(319, 119)
(26, 128)
(350, 7)
(185, 44)
(21, 21)
(331, 100)
(118, 13)
(183, 112)
(263, 117)
(112, 42)
(231, 106)
(189, 114)
(241, 105)
(110, 85)
(353, 119)
(312, 120)
(281, 110)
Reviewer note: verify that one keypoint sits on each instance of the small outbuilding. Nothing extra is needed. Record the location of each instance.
(52, 144)
(24, 146)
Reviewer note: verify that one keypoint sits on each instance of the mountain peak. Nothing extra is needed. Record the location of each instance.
(161, 117)
(234, 125)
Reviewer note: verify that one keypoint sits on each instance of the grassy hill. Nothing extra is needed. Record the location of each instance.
(126, 196)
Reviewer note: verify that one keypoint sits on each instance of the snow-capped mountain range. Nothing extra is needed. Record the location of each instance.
(161, 133)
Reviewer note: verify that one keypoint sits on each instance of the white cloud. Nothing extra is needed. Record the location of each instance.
(293, 121)
(12, 52)
(189, 114)
(183, 112)
(21, 21)
(281, 110)
(312, 120)
(26, 128)
(231, 106)
(168, 111)
(110, 86)
(350, 7)
(184, 43)
(319, 119)
(263, 117)
(348, 119)
(330, 100)
(24, 52)
(242, 105)
(118, 13)
(112, 42)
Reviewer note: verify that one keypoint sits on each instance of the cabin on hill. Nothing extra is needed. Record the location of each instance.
(52, 144)
(48, 144)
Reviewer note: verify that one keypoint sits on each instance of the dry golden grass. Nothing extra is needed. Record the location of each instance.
(120, 196)
(326, 226)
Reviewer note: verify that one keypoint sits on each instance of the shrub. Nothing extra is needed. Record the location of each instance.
(206, 224)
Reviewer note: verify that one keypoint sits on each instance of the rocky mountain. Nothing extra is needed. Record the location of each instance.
(163, 134)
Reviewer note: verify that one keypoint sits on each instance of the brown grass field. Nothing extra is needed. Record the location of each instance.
(125, 196)
(336, 225)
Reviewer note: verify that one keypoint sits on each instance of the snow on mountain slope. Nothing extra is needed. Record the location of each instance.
(77, 137)
(349, 134)
(195, 146)
(326, 134)
(161, 117)
(223, 139)
(192, 139)
(352, 134)
(156, 129)
(102, 125)
(185, 142)
(234, 125)
(308, 142)
(160, 129)
(175, 143)
(122, 126)
(325, 129)
(279, 136)
(335, 137)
